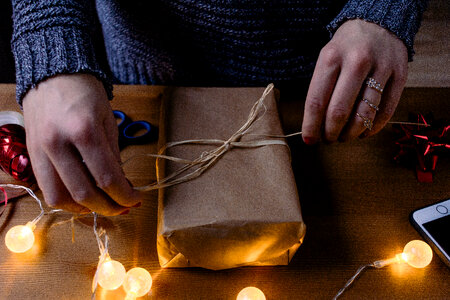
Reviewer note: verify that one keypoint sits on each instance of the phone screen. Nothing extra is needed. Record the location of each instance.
(439, 229)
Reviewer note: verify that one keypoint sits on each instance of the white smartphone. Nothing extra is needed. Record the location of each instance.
(433, 223)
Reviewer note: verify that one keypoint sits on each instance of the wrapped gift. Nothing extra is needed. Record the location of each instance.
(244, 209)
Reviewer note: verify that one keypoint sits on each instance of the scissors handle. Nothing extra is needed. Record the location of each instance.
(128, 129)
(123, 119)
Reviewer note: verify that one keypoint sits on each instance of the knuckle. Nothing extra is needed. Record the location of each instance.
(360, 60)
(338, 114)
(105, 181)
(81, 133)
(330, 54)
(51, 137)
(81, 128)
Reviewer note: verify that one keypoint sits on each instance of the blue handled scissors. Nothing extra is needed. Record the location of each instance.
(128, 129)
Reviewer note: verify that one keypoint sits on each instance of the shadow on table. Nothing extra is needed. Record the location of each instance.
(316, 198)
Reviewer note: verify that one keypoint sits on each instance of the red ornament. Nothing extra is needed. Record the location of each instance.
(14, 158)
(421, 145)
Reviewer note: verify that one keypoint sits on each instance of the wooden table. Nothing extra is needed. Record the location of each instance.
(355, 202)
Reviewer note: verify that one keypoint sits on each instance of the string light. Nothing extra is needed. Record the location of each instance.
(251, 293)
(20, 238)
(416, 253)
(111, 274)
(137, 283)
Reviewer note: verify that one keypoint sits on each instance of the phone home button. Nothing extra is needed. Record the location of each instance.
(442, 209)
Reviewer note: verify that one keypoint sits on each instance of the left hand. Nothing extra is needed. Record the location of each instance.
(358, 50)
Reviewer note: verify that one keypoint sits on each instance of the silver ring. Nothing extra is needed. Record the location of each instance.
(368, 123)
(372, 83)
(370, 104)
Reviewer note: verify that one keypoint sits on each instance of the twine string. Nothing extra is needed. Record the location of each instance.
(194, 168)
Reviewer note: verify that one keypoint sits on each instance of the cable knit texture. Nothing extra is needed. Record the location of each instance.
(190, 42)
(400, 17)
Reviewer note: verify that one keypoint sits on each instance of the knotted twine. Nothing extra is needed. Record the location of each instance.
(194, 168)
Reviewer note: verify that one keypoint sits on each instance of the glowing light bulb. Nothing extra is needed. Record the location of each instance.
(111, 274)
(417, 254)
(20, 238)
(251, 293)
(137, 283)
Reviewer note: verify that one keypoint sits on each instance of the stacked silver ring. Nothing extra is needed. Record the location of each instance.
(368, 123)
(373, 106)
(372, 83)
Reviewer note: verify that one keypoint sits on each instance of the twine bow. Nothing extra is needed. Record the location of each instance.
(194, 168)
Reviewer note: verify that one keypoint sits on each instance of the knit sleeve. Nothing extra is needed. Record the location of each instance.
(401, 17)
(53, 37)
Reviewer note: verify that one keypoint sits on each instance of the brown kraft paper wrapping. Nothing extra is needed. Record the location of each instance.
(244, 210)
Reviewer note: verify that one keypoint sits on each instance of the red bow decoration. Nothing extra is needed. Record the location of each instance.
(14, 158)
(421, 145)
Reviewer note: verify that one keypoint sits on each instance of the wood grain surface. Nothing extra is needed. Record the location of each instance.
(431, 64)
(355, 202)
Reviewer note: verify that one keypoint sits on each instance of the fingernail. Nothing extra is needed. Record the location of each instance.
(126, 212)
(138, 204)
(309, 140)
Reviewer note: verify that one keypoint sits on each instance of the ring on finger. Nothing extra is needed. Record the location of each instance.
(368, 123)
(372, 83)
(373, 106)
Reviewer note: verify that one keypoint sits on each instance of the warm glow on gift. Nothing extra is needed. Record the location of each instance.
(251, 293)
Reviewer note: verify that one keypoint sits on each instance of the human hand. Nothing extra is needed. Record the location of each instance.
(72, 141)
(334, 107)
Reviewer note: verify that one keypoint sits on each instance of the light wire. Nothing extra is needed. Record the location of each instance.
(350, 281)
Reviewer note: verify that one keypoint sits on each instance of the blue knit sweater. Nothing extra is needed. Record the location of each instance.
(190, 42)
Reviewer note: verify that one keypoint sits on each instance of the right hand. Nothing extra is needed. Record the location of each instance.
(72, 141)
